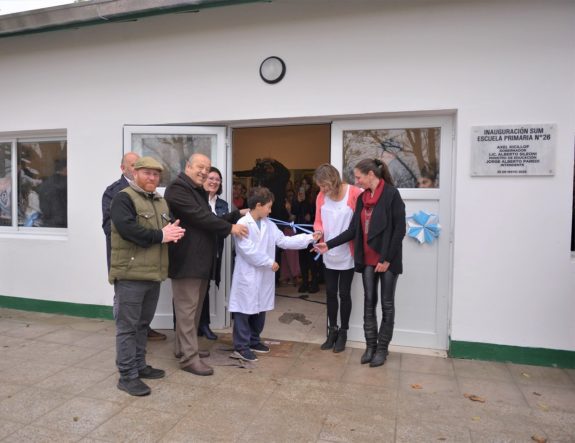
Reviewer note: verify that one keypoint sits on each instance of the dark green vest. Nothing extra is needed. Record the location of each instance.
(132, 262)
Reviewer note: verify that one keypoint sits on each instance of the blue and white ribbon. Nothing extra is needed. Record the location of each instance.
(292, 225)
(296, 226)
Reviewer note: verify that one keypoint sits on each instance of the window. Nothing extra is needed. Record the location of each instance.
(33, 183)
(411, 154)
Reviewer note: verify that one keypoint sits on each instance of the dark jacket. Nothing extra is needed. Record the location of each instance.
(194, 256)
(107, 198)
(222, 210)
(386, 230)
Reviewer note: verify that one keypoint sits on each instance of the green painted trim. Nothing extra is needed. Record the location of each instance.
(512, 354)
(57, 307)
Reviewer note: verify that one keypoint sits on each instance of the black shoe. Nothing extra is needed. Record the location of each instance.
(378, 358)
(244, 354)
(260, 348)
(367, 356)
(134, 387)
(151, 373)
(340, 341)
(314, 289)
(331, 338)
(303, 288)
(205, 331)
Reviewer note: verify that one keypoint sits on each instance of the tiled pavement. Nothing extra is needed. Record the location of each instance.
(58, 384)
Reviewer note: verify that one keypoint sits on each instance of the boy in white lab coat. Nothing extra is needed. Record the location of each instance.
(253, 282)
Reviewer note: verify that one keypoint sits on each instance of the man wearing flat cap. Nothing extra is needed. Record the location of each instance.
(141, 229)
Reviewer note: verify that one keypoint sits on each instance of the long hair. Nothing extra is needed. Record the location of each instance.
(326, 173)
(378, 167)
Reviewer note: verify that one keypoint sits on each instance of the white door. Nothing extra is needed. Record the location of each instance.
(418, 152)
(172, 146)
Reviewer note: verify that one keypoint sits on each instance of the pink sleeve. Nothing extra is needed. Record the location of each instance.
(354, 193)
(318, 225)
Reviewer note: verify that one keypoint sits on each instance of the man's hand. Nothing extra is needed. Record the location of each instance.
(317, 235)
(320, 247)
(382, 267)
(275, 267)
(240, 231)
(172, 232)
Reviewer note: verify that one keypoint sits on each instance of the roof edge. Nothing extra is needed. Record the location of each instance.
(95, 12)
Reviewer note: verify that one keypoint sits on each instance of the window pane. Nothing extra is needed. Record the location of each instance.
(5, 184)
(43, 184)
(411, 155)
(173, 150)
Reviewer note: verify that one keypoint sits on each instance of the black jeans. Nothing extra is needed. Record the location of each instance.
(338, 281)
(388, 281)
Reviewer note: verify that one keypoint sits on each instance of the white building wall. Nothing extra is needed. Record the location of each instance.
(495, 62)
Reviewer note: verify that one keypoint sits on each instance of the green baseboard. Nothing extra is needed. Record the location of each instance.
(512, 354)
(57, 307)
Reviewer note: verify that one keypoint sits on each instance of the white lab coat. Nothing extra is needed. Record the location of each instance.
(253, 282)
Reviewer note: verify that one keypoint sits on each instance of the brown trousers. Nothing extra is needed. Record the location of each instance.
(188, 296)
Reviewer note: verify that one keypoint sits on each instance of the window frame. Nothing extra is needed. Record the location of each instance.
(35, 137)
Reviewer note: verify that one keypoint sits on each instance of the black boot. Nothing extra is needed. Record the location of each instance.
(205, 331)
(331, 338)
(341, 341)
(378, 358)
(367, 355)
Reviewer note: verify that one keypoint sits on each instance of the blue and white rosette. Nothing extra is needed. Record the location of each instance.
(423, 226)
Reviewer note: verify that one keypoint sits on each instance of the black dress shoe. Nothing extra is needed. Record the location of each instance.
(205, 331)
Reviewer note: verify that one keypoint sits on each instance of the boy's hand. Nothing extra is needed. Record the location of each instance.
(275, 267)
(317, 235)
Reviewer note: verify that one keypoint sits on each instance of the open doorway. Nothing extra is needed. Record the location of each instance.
(292, 153)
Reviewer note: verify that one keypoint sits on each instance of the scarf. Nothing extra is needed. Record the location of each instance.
(369, 199)
(370, 257)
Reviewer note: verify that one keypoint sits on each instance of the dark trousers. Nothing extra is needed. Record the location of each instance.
(388, 282)
(309, 267)
(338, 282)
(134, 307)
(247, 329)
(205, 315)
